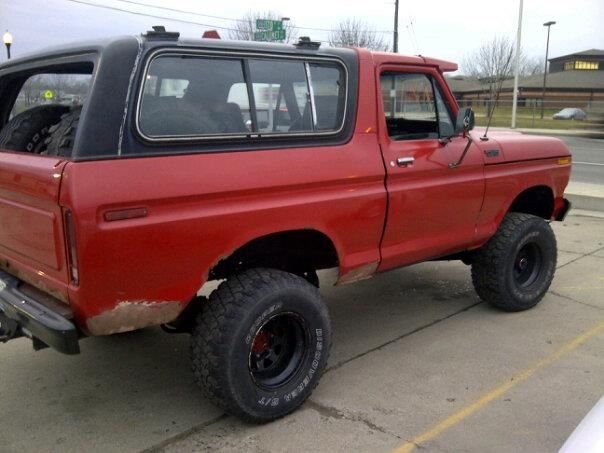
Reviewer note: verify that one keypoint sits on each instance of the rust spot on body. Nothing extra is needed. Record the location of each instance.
(358, 273)
(132, 315)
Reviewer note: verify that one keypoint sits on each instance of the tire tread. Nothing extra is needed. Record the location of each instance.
(219, 317)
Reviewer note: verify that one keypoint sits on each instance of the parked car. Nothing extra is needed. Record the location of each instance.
(115, 213)
(588, 436)
(570, 114)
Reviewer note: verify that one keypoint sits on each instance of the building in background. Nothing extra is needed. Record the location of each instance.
(575, 80)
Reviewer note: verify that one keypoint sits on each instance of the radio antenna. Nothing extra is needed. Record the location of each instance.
(499, 85)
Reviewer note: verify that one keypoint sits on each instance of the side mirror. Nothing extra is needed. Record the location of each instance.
(465, 121)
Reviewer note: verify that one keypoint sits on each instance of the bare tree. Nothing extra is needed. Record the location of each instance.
(244, 28)
(356, 33)
(31, 90)
(491, 63)
(488, 61)
(531, 65)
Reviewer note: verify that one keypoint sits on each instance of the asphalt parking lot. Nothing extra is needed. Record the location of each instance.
(416, 358)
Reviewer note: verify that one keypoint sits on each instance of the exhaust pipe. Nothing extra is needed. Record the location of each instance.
(9, 328)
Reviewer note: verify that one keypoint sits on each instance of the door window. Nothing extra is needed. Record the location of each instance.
(412, 110)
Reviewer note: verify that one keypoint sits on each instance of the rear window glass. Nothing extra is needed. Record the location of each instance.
(190, 96)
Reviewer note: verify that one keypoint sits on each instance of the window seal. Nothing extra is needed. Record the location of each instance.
(251, 99)
(243, 56)
(311, 94)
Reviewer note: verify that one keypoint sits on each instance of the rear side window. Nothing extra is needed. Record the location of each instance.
(52, 89)
(185, 96)
(281, 95)
(193, 96)
(44, 103)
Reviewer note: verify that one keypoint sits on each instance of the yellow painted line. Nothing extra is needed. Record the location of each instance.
(500, 390)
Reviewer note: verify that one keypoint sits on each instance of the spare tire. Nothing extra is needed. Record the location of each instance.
(28, 131)
(62, 135)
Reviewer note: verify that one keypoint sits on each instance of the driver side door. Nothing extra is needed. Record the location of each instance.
(432, 208)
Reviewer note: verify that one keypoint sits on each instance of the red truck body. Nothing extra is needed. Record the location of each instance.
(149, 230)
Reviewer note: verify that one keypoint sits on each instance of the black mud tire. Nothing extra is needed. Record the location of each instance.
(226, 353)
(62, 135)
(28, 131)
(515, 268)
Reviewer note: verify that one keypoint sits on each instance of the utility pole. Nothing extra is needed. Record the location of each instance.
(548, 25)
(517, 68)
(395, 37)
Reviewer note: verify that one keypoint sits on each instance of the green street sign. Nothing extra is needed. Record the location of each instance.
(48, 94)
(269, 35)
(269, 24)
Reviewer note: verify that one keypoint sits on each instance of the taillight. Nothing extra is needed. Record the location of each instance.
(72, 256)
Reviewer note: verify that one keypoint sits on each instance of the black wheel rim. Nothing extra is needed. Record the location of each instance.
(278, 350)
(527, 265)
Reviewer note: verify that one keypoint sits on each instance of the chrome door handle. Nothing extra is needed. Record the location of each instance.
(404, 161)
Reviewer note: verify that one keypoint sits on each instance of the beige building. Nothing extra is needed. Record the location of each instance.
(575, 80)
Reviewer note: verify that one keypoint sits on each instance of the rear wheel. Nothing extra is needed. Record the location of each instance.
(514, 270)
(261, 343)
(28, 131)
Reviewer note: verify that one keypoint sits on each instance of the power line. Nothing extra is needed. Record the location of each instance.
(193, 13)
(113, 8)
(165, 8)
(182, 11)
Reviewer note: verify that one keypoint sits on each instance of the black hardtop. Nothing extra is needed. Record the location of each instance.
(118, 62)
(126, 42)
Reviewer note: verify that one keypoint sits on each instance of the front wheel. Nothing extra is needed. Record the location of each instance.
(515, 268)
(261, 343)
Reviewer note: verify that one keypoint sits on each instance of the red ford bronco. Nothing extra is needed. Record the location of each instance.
(159, 164)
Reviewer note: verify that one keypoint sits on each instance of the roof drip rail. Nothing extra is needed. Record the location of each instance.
(305, 43)
(159, 33)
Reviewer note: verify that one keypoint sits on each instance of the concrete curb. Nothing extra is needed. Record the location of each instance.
(569, 132)
(586, 202)
(588, 196)
(584, 133)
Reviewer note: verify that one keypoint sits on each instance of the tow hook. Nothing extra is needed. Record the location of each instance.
(9, 328)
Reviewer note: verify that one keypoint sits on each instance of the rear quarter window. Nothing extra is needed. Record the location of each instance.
(44, 99)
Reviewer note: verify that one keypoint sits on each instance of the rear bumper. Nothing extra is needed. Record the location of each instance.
(34, 317)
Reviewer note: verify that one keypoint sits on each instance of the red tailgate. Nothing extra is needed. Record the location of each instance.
(31, 233)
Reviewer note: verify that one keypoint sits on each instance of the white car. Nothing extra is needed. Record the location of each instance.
(588, 437)
(570, 114)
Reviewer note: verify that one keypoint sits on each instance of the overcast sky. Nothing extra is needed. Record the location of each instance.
(440, 28)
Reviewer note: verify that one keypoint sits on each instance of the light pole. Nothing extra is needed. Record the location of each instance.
(395, 37)
(548, 25)
(8, 40)
(517, 66)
